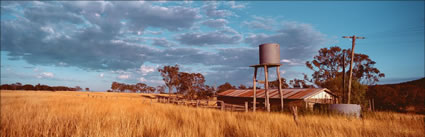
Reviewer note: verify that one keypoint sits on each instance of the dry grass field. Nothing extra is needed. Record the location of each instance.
(36, 114)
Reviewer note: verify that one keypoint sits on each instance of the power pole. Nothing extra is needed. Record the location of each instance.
(351, 63)
(343, 76)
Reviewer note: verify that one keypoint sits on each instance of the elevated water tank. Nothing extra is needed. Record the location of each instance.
(269, 53)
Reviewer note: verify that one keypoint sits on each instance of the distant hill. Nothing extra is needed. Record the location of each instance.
(403, 97)
(418, 82)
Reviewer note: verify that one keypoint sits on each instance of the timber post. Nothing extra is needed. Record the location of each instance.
(254, 105)
(222, 105)
(295, 114)
(280, 87)
(266, 88)
(197, 103)
(231, 107)
(246, 106)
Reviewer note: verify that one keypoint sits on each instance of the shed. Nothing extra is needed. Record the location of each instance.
(301, 97)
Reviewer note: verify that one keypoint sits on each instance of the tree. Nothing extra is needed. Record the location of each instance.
(190, 84)
(242, 87)
(224, 87)
(6, 87)
(87, 89)
(77, 88)
(132, 88)
(359, 90)
(206, 92)
(330, 62)
(122, 87)
(170, 76)
(150, 89)
(16, 86)
(275, 84)
(300, 83)
(141, 87)
(115, 86)
(160, 89)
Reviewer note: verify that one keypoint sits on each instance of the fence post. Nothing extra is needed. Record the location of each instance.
(231, 107)
(197, 103)
(246, 106)
(222, 105)
(295, 114)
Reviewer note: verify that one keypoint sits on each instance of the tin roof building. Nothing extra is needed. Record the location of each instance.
(305, 97)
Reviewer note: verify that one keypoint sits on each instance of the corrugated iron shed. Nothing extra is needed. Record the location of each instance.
(274, 93)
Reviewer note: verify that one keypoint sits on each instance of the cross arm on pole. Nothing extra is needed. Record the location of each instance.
(353, 37)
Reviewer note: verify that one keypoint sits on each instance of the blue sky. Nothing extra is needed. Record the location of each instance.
(92, 44)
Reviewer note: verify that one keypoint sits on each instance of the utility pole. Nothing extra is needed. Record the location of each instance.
(343, 76)
(351, 63)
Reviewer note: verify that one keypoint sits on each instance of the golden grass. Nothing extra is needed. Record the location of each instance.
(36, 114)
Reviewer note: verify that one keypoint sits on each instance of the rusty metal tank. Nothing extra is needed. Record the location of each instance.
(347, 109)
(269, 53)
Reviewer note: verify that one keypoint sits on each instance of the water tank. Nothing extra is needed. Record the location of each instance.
(269, 53)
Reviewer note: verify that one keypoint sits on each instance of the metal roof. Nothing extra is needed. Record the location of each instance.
(294, 93)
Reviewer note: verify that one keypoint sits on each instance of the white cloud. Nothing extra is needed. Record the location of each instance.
(162, 42)
(94, 40)
(46, 75)
(142, 79)
(147, 69)
(285, 60)
(209, 38)
(62, 64)
(36, 69)
(215, 23)
(124, 76)
(101, 75)
(292, 62)
(235, 5)
(153, 32)
(211, 9)
(260, 23)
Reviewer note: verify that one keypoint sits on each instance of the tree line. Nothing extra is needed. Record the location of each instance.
(190, 85)
(403, 97)
(40, 87)
(139, 87)
(330, 64)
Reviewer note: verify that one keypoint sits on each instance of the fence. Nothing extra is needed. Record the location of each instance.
(204, 104)
(185, 102)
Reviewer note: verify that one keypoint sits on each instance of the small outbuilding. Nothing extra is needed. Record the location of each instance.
(301, 97)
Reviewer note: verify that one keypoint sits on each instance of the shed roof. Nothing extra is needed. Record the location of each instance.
(294, 93)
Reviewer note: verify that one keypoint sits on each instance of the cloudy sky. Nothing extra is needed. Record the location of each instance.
(92, 44)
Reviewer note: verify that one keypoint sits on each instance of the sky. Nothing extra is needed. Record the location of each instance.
(92, 44)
